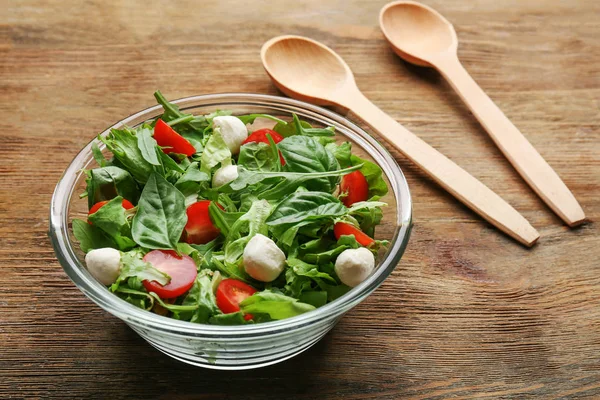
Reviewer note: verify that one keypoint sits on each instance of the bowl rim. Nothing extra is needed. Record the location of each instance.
(75, 269)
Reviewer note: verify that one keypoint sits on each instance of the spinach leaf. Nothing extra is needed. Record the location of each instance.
(160, 217)
(111, 218)
(147, 144)
(258, 157)
(124, 146)
(306, 206)
(374, 176)
(276, 305)
(305, 155)
(90, 237)
(315, 298)
(202, 296)
(107, 182)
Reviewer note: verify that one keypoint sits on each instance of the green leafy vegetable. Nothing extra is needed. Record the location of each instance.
(277, 306)
(374, 176)
(200, 295)
(124, 145)
(107, 182)
(258, 157)
(90, 237)
(112, 219)
(147, 145)
(132, 265)
(160, 217)
(306, 206)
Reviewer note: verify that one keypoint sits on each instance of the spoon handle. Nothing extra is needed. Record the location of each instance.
(521, 154)
(445, 172)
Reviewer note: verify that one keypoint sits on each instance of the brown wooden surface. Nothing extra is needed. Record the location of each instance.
(467, 314)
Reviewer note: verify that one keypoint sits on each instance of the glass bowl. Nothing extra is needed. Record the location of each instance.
(247, 346)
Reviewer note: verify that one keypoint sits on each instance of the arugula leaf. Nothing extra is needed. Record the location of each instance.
(111, 218)
(215, 152)
(222, 220)
(98, 156)
(303, 154)
(302, 268)
(374, 176)
(277, 305)
(236, 318)
(252, 222)
(306, 206)
(200, 295)
(191, 180)
(290, 182)
(342, 153)
(107, 182)
(160, 218)
(124, 146)
(302, 130)
(90, 237)
(249, 119)
(147, 144)
(258, 157)
(286, 129)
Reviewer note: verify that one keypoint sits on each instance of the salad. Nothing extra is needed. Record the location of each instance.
(205, 219)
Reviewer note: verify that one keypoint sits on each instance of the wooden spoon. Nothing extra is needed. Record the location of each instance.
(422, 36)
(308, 70)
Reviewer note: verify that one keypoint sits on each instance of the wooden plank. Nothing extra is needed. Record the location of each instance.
(468, 313)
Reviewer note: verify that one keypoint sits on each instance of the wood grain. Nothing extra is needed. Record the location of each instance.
(468, 313)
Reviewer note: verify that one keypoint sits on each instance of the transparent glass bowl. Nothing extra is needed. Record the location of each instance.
(248, 346)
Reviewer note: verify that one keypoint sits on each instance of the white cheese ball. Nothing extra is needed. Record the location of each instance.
(104, 264)
(225, 175)
(263, 260)
(354, 265)
(232, 130)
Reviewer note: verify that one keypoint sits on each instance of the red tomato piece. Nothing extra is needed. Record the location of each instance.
(126, 205)
(260, 136)
(343, 229)
(171, 141)
(199, 228)
(356, 188)
(182, 271)
(230, 293)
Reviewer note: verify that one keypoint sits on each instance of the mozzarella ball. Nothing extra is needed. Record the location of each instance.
(263, 260)
(232, 130)
(354, 265)
(104, 264)
(224, 175)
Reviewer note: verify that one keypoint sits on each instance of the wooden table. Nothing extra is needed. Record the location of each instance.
(467, 314)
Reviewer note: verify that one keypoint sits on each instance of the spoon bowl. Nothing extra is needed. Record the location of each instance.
(306, 69)
(416, 32)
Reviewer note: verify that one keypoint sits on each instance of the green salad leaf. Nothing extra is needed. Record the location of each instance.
(276, 305)
(123, 143)
(306, 206)
(160, 218)
(107, 182)
(90, 237)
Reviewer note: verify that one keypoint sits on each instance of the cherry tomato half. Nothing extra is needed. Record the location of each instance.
(126, 205)
(356, 188)
(260, 136)
(342, 229)
(230, 293)
(199, 228)
(182, 271)
(171, 141)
